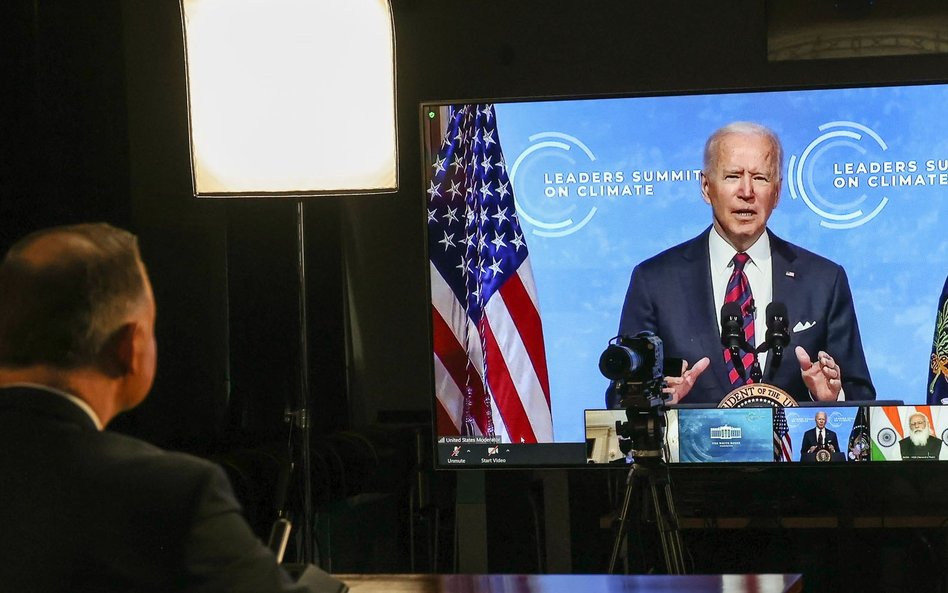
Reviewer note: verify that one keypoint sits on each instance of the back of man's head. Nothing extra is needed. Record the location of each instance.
(64, 291)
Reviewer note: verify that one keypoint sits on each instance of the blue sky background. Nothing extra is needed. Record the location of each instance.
(896, 262)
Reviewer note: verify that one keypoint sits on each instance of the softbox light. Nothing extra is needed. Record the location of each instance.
(290, 97)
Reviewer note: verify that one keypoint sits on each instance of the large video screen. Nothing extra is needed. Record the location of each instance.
(532, 242)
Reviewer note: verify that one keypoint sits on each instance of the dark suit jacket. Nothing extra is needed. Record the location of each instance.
(671, 295)
(809, 440)
(910, 450)
(83, 510)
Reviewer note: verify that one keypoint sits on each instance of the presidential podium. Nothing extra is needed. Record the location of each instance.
(823, 456)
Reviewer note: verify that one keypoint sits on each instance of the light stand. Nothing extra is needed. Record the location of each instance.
(301, 415)
(292, 98)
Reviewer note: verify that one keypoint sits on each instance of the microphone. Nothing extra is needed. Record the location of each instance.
(778, 328)
(732, 333)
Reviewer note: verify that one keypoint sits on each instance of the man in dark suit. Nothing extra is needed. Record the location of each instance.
(678, 293)
(920, 443)
(819, 437)
(81, 508)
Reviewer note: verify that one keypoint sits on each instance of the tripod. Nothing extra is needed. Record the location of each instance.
(650, 468)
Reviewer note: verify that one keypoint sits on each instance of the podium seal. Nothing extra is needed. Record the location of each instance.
(758, 395)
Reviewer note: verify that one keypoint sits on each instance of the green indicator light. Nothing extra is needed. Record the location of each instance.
(431, 115)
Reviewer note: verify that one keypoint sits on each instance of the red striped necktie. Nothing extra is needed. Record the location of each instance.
(739, 291)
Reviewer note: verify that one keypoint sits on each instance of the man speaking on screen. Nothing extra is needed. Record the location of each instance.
(819, 437)
(919, 442)
(740, 266)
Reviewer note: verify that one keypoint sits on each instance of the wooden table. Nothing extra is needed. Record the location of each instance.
(571, 583)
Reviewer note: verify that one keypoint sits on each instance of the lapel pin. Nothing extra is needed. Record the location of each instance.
(791, 274)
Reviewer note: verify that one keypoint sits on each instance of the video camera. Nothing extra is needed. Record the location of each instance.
(634, 365)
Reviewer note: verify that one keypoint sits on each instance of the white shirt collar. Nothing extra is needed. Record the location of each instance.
(79, 402)
(723, 252)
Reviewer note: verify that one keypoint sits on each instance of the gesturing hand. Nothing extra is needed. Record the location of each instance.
(823, 378)
(678, 387)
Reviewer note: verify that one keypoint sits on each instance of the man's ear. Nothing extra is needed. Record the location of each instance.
(703, 181)
(119, 354)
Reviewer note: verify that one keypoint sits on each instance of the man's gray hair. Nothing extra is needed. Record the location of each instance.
(64, 292)
(747, 128)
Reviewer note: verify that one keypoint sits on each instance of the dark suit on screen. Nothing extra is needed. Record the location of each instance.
(810, 440)
(671, 295)
(91, 511)
(930, 450)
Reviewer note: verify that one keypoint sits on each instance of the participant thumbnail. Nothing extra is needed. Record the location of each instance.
(909, 433)
(824, 434)
(720, 435)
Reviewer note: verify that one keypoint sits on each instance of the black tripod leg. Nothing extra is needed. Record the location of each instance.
(666, 518)
(623, 521)
(675, 534)
(667, 522)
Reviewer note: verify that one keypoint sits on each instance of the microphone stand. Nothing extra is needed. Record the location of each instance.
(777, 336)
(756, 374)
(776, 348)
(732, 338)
(737, 359)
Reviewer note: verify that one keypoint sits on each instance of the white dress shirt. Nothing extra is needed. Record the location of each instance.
(759, 272)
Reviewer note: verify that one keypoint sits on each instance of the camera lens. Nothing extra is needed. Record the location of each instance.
(618, 362)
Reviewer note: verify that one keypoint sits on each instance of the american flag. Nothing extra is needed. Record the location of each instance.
(782, 444)
(490, 362)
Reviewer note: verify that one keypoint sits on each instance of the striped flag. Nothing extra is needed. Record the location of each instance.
(938, 364)
(782, 444)
(490, 362)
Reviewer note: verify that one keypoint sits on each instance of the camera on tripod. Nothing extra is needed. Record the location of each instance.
(634, 364)
(635, 367)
